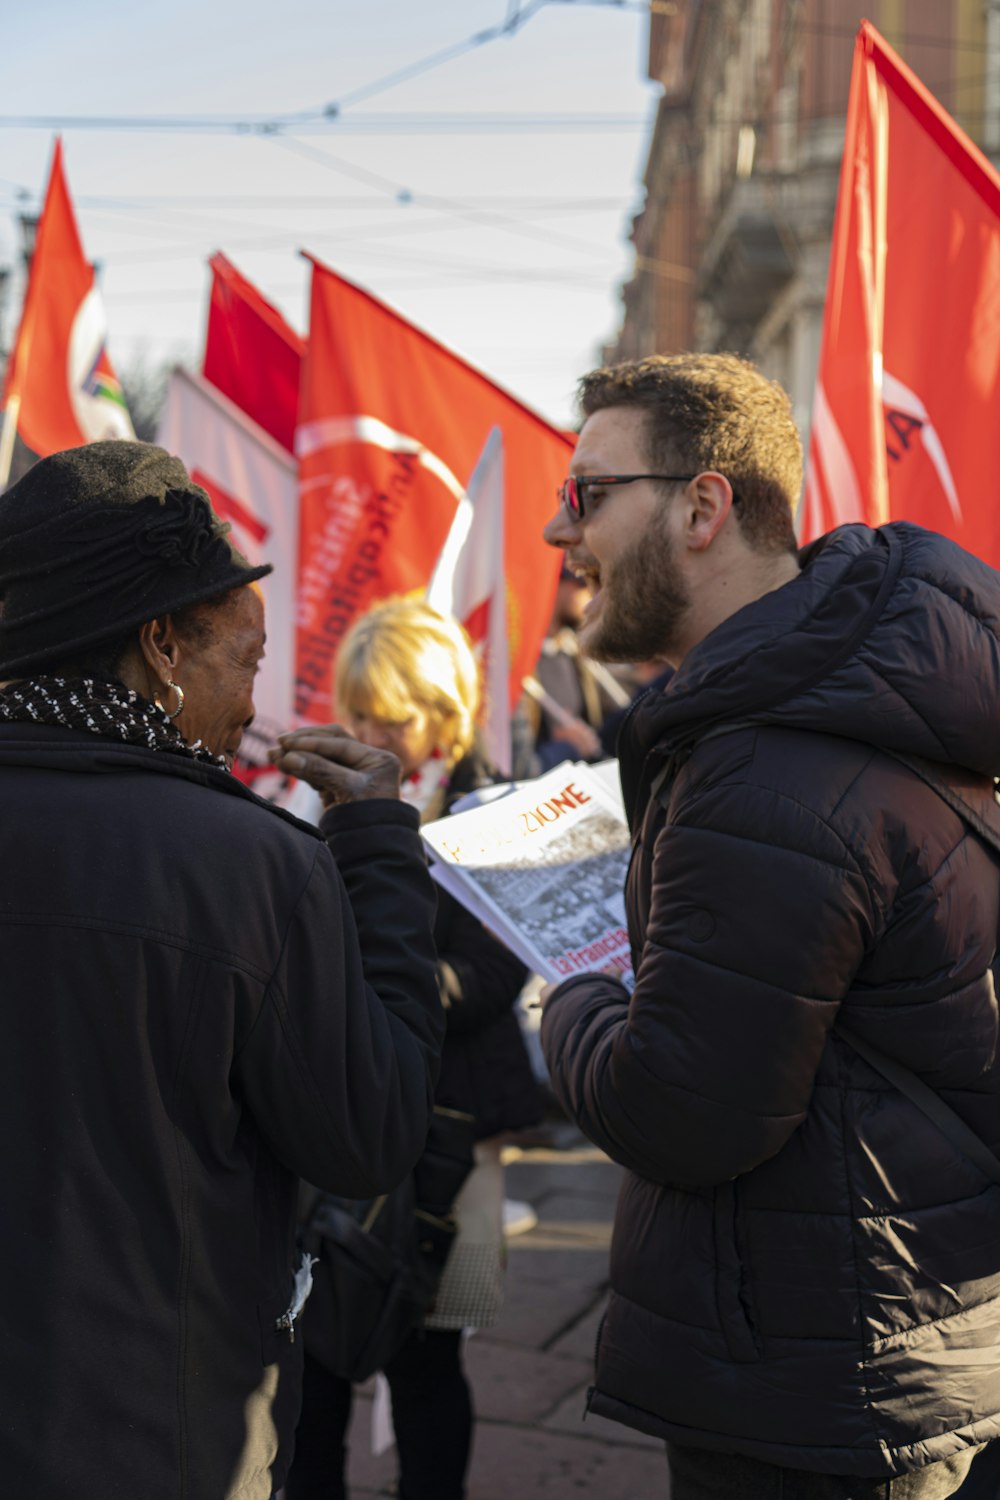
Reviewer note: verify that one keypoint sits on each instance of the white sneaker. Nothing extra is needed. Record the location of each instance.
(518, 1218)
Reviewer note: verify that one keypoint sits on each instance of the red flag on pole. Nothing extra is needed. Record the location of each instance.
(251, 354)
(389, 420)
(905, 414)
(60, 389)
(468, 582)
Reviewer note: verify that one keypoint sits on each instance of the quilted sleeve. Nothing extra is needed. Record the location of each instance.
(759, 919)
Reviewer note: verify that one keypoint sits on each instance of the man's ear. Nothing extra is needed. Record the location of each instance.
(709, 500)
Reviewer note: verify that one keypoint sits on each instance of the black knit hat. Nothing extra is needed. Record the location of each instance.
(98, 540)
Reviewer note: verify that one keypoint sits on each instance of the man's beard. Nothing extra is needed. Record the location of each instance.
(643, 602)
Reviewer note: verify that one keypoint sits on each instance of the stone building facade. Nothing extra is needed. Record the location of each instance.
(732, 245)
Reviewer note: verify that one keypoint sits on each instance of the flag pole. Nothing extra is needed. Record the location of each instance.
(10, 415)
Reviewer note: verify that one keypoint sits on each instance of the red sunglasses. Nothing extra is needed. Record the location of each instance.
(571, 490)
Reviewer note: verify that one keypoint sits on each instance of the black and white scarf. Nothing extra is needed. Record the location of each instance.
(100, 707)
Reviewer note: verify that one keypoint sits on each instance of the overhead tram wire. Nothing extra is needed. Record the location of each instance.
(447, 206)
(414, 122)
(517, 16)
(418, 123)
(538, 203)
(360, 238)
(333, 113)
(440, 274)
(131, 218)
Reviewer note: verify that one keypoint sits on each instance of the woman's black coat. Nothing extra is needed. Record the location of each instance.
(202, 1000)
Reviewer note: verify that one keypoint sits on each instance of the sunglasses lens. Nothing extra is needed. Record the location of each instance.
(571, 498)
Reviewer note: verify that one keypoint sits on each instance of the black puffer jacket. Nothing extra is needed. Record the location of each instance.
(202, 999)
(804, 1269)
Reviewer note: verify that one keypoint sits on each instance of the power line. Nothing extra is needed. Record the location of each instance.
(439, 273)
(447, 206)
(399, 124)
(415, 123)
(541, 203)
(517, 17)
(332, 113)
(332, 118)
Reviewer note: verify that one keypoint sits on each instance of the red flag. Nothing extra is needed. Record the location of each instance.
(905, 415)
(251, 354)
(468, 582)
(60, 385)
(388, 419)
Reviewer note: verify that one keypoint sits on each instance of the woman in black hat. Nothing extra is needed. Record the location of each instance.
(202, 998)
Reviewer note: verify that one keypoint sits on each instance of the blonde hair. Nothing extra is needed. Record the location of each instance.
(403, 656)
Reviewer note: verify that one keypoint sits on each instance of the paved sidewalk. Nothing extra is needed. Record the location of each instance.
(530, 1373)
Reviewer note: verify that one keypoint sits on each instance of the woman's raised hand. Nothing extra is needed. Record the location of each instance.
(337, 765)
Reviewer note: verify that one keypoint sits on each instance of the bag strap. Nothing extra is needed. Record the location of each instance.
(927, 1101)
(919, 1093)
(987, 828)
(930, 1103)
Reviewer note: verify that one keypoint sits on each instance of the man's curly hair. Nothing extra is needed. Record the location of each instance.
(714, 411)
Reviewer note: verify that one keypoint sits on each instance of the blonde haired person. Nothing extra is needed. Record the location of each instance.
(407, 681)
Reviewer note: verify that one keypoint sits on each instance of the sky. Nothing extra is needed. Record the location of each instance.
(480, 181)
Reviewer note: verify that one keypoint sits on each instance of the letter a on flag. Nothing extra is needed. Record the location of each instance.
(61, 389)
(905, 414)
(468, 583)
(391, 424)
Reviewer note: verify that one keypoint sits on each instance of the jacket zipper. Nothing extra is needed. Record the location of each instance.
(300, 1291)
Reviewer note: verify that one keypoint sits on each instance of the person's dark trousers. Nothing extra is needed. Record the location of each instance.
(431, 1414)
(698, 1475)
(319, 1466)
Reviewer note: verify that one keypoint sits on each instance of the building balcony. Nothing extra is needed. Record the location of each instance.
(749, 256)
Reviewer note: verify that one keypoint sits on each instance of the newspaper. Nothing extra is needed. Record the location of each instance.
(542, 863)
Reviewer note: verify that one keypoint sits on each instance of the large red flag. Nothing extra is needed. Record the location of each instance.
(391, 424)
(60, 385)
(905, 415)
(251, 354)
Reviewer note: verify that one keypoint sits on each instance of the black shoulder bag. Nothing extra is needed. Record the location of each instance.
(378, 1261)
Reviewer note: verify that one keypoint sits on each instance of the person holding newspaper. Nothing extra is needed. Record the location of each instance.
(407, 681)
(804, 1085)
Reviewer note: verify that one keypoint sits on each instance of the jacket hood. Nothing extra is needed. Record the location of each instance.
(890, 637)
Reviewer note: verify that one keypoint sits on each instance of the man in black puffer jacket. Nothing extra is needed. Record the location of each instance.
(805, 1270)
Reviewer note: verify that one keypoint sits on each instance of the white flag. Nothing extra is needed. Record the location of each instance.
(252, 483)
(468, 582)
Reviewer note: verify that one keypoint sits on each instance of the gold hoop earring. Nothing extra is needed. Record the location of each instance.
(180, 700)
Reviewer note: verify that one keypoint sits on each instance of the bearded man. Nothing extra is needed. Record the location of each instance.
(805, 1266)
